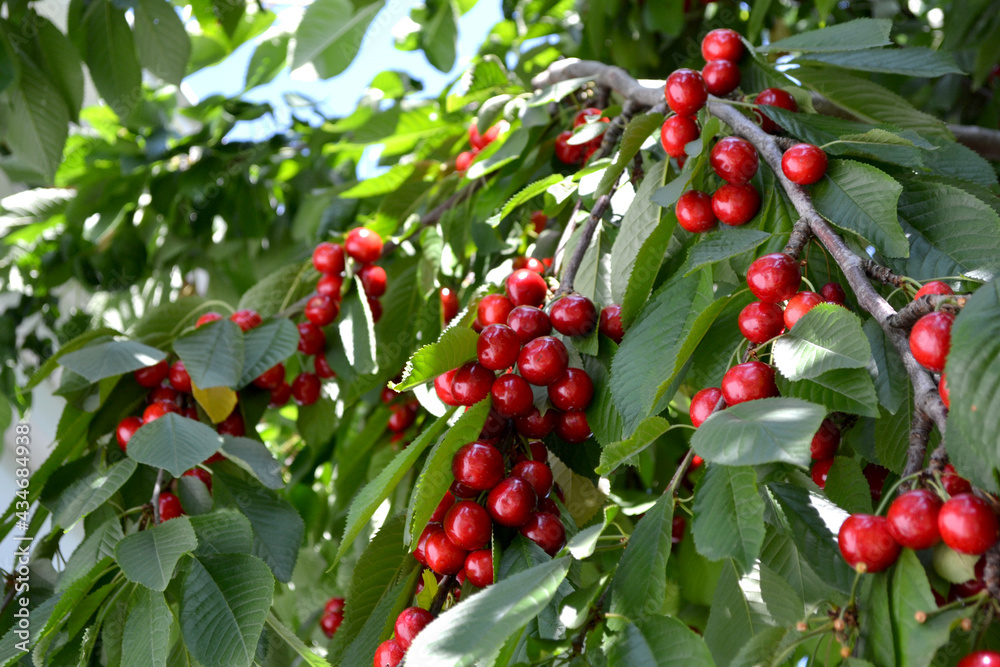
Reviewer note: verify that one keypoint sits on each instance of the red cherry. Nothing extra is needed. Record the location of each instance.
(773, 278)
(913, 519)
(930, 340)
(280, 395)
(748, 382)
(449, 304)
(465, 160)
(478, 465)
(866, 543)
(981, 659)
(333, 606)
(572, 391)
(943, 390)
(232, 425)
(179, 378)
(685, 92)
(442, 386)
(572, 427)
(373, 280)
(535, 424)
(545, 530)
(825, 441)
(479, 568)
(800, 304)
(833, 293)
(759, 322)
(543, 360)
(388, 395)
(409, 623)
(694, 212)
(703, 405)
(526, 288)
(734, 159)
(677, 526)
(156, 410)
(471, 383)
(460, 490)
(535, 473)
(446, 502)
(775, 97)
(498, 346)
(202, 474)
(170, 506)
(165, 395)
(590, 114)
(330, 285)
(804, 164)
(530, 263)
(402, 418)
(305, 389)
(536, 452)
(329, 623)
(321, 310)
(574, 315)
(735, 205)
(933, 287)
(611, 323)
(721, 77)
(565, 152)
(388, 654)
(152, 376)
(206, 318)
(512, 396)
(375, 306)
(722, 44)
(494, 309)
(363, 245)
(328, 258)
(312, 340)
(538, 221)
(876, 476)
(676, 133)
(475, 139)
(420, 551)
(247, 319)
(529, 322)
(549, 505)
(443, 555)
(322, 367)
(126, 429)
(468, 525)
(820, 470)
(511, 502)
(968, 524)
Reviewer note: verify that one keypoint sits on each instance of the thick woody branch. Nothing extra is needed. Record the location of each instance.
(880, 273)
(908, 316)
(920, 433)
(801, 233)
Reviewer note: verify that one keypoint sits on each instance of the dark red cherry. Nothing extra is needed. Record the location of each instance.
(611, 323)
(833, 293)
(373, 280)
(545, 530)
(409, 623)
(468, 525)
(280, 395)
(232, 425)
(420, 551)
(126, 429)
(526, 288)
(305, 389)
(322, 367)
(271, 378)
(535, 473)
(774, 278)
(321, 310)
(913, 519)
(170, 506)
(511, 502)
(968, 524)
(333, 605)
(722, 44)
(200, 474)
(677, 526)
(694, 212)
(330, 623)
(734, 159)
(721, 77)
(759, 322)
(800, 304)
(363, 245)
(543, 360)
(748, 382)
(165, 395)
(685, 92)
(572, 426)
(498, 346)
(247, 319)
(152, 376)
(825, 441)
(820, 470)
(775, 97)
(735, 205)
(478, 465)
(866, 543)
(573, 390)
(512, 396)
(529, 322)
(804, 164)
(538, 222)
(179, 378)
(402, 418)
(876, 476)
(312, 340)
(471, 383)
(574, 315)
(443, 556)
(535, 424)
(329, 258)
(676, 133)
(703, 405)
(446, 502)
(494, 309)
(479, 568)
(930, 340)
(954, 483)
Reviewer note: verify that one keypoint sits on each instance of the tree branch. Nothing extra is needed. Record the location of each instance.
(444, 588)
(801, 233)
(920, 433)
(573, 265)
(156, 497)
(909, 314)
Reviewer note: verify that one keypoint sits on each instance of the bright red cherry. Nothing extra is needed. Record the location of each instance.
(535, 424)
(179, 378)
(800, 304)
(538, 221)
(280, 395)
(232, 425)
(409, 623)
(833, 293)
(152, 376)
(825, 441)
(572, 426)
(322, 367)
(321, 310)
(981, 659)
(468, 525)
(247, 319)
(721, 77)
(443, 556)
(759, 322)
(722, 44)
(775, 97)
(170, 506)
(866, 543)
(611, 323)
(402, 418)
(479, 142)
(201, 474)
(442, 386)
(913, 519)
(804, 164)
(373, 280)
(271, 378)
(449, 304)
(479, 568)
(330, 285)
(968, 524)
(530, 263)
(126, 429)
(512, 396)
(156, 410)
(498, 346)
(526, 288)
(333, 605)
(328, 258)
(494, 309)
(734, 159)
(545, 530)
(446, 502)
(165, 395)
(478, 465)
(748, 382)
(590, 114)
(312, 340)
(529, 322)
(375, 306)
(735, 205)
(565, 152)
(685, 92)
(471, 383)
(574, 315)
(465, 160)
(820, 470)
(694, 212)
(543, 360)
(535, 473)
(774, 278)
(572, 391)
(388, 654)
(206, 318)
(329, 623)
(419, 551)
(933, 287)
(511, 502)
(676, 133)
(930, 340)
(703, 405)
(363, 245)
(305, 389)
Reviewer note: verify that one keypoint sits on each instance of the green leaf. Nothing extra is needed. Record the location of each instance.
(104, 530)
(848, 36)
(641, 225)
(224, 531)
(224, 601)
(732, 621)
(146, 640)
(729, 515)
(439, 36)
(617, 453)
(453, 348)
(112, 358)
(162, 43)
(911, 61)
(150, 556)
(265, 346)
(173, 443)
(269, 58)
(468, 633)
(357, 337)
(876, 626)
(60, 59)
(722, 244)
(636, 132)
(436, 476)
(840, 390)
(782, 557)
(954, 160)
(860, 198)
(640, 582)
(310, 659)
(883, 367)
(88, 492)
(111, 58)
(37, 124)
(847, 487)
(330, 35)
(254, 457)
(528, 192)
(213, 354)
(763, 431)
(825, 338)
(661, 641)
(280, 289)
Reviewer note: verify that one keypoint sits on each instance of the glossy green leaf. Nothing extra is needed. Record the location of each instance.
(213, 354)
(265, 346)
(146, 640)
(150, 556)
(617, 453)
(635, 134)
(173, 443)
(723, 244)
(911, 61)
(111, 58)
(330, 35)
(639, 583)
(112, 358)
(729, 515)
(763, 431)
(732, 621)
(456, 346)
(161, 41)
(224, 531)
(89, 491)
(847, 486)
(847, 36)
(825, 338)
(847, 390)
(279, 290)
(661, 641)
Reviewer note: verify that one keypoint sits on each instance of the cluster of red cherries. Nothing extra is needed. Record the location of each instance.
(408, 624)
(332, 616)
(403, 412)
(478, 142)
(576, 154)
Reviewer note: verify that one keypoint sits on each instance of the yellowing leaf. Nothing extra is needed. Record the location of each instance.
(218, 402)
(583, 499)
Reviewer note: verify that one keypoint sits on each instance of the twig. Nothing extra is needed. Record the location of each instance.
(565, 237)
(573, 265)
(991, 571)
(799, 238)
(444, 588)
(939, 458)
(432, 216)
(920, 432)
(882, 274)
(156, 497)
(908, 315)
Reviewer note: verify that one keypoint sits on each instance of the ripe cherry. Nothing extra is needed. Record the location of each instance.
(981, 659)
(420, 551)
(179, 378)
(312, 340)
(443, 556)
(512, 396)
(565, 152)
(694, 212)
(876, 476)
(328, 258)
(833, 293)
(529, 322)
(409, 623)
(543, 360)
(721, 77)
(494, 309)
(329, 623)
(126, 429)
(402, 418)
(539, 221)
(388, 654)
(535, 424)
(866, 543)
(305, 389)
(820, 470)
(449, 304)
(590, 114)
(722, 44)
(775, 97)
(206, 318)
(321, 310)
(968, 524)
(734, 159)
(322, 367)
(442, 508)
(460, 490)
(478, 465)
(333, 605)
(530, 263)
(611, 323)
(703, 405)
(232, 425)
(479, 568)
(511, 502)
(572, 426)
(913, 519)
(152, 376)
(280, 395)
(545, 530)
(535, 473)
(933, 287)
(363, 245)
(468, 525)
(170, 507)
(200, 474)
(549, 505)
(759, 322)
(471, 383)
(773, 278)
(685, 92)
(804, 164)
(526, 288)
(573, 390)
(482, 141)
(748, 382)
(825, 441)
(330, 285)
(800, 304)
(156, 410)
(676, 133)
(930, 340)
(735, 205)
(165, 394)
(574, 315)
(373, 280)
(974, 585)
(246, 319)
(375, 306)
(497, 347)
(442, 386)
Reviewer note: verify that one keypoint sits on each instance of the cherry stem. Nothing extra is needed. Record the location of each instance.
(444, 588)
